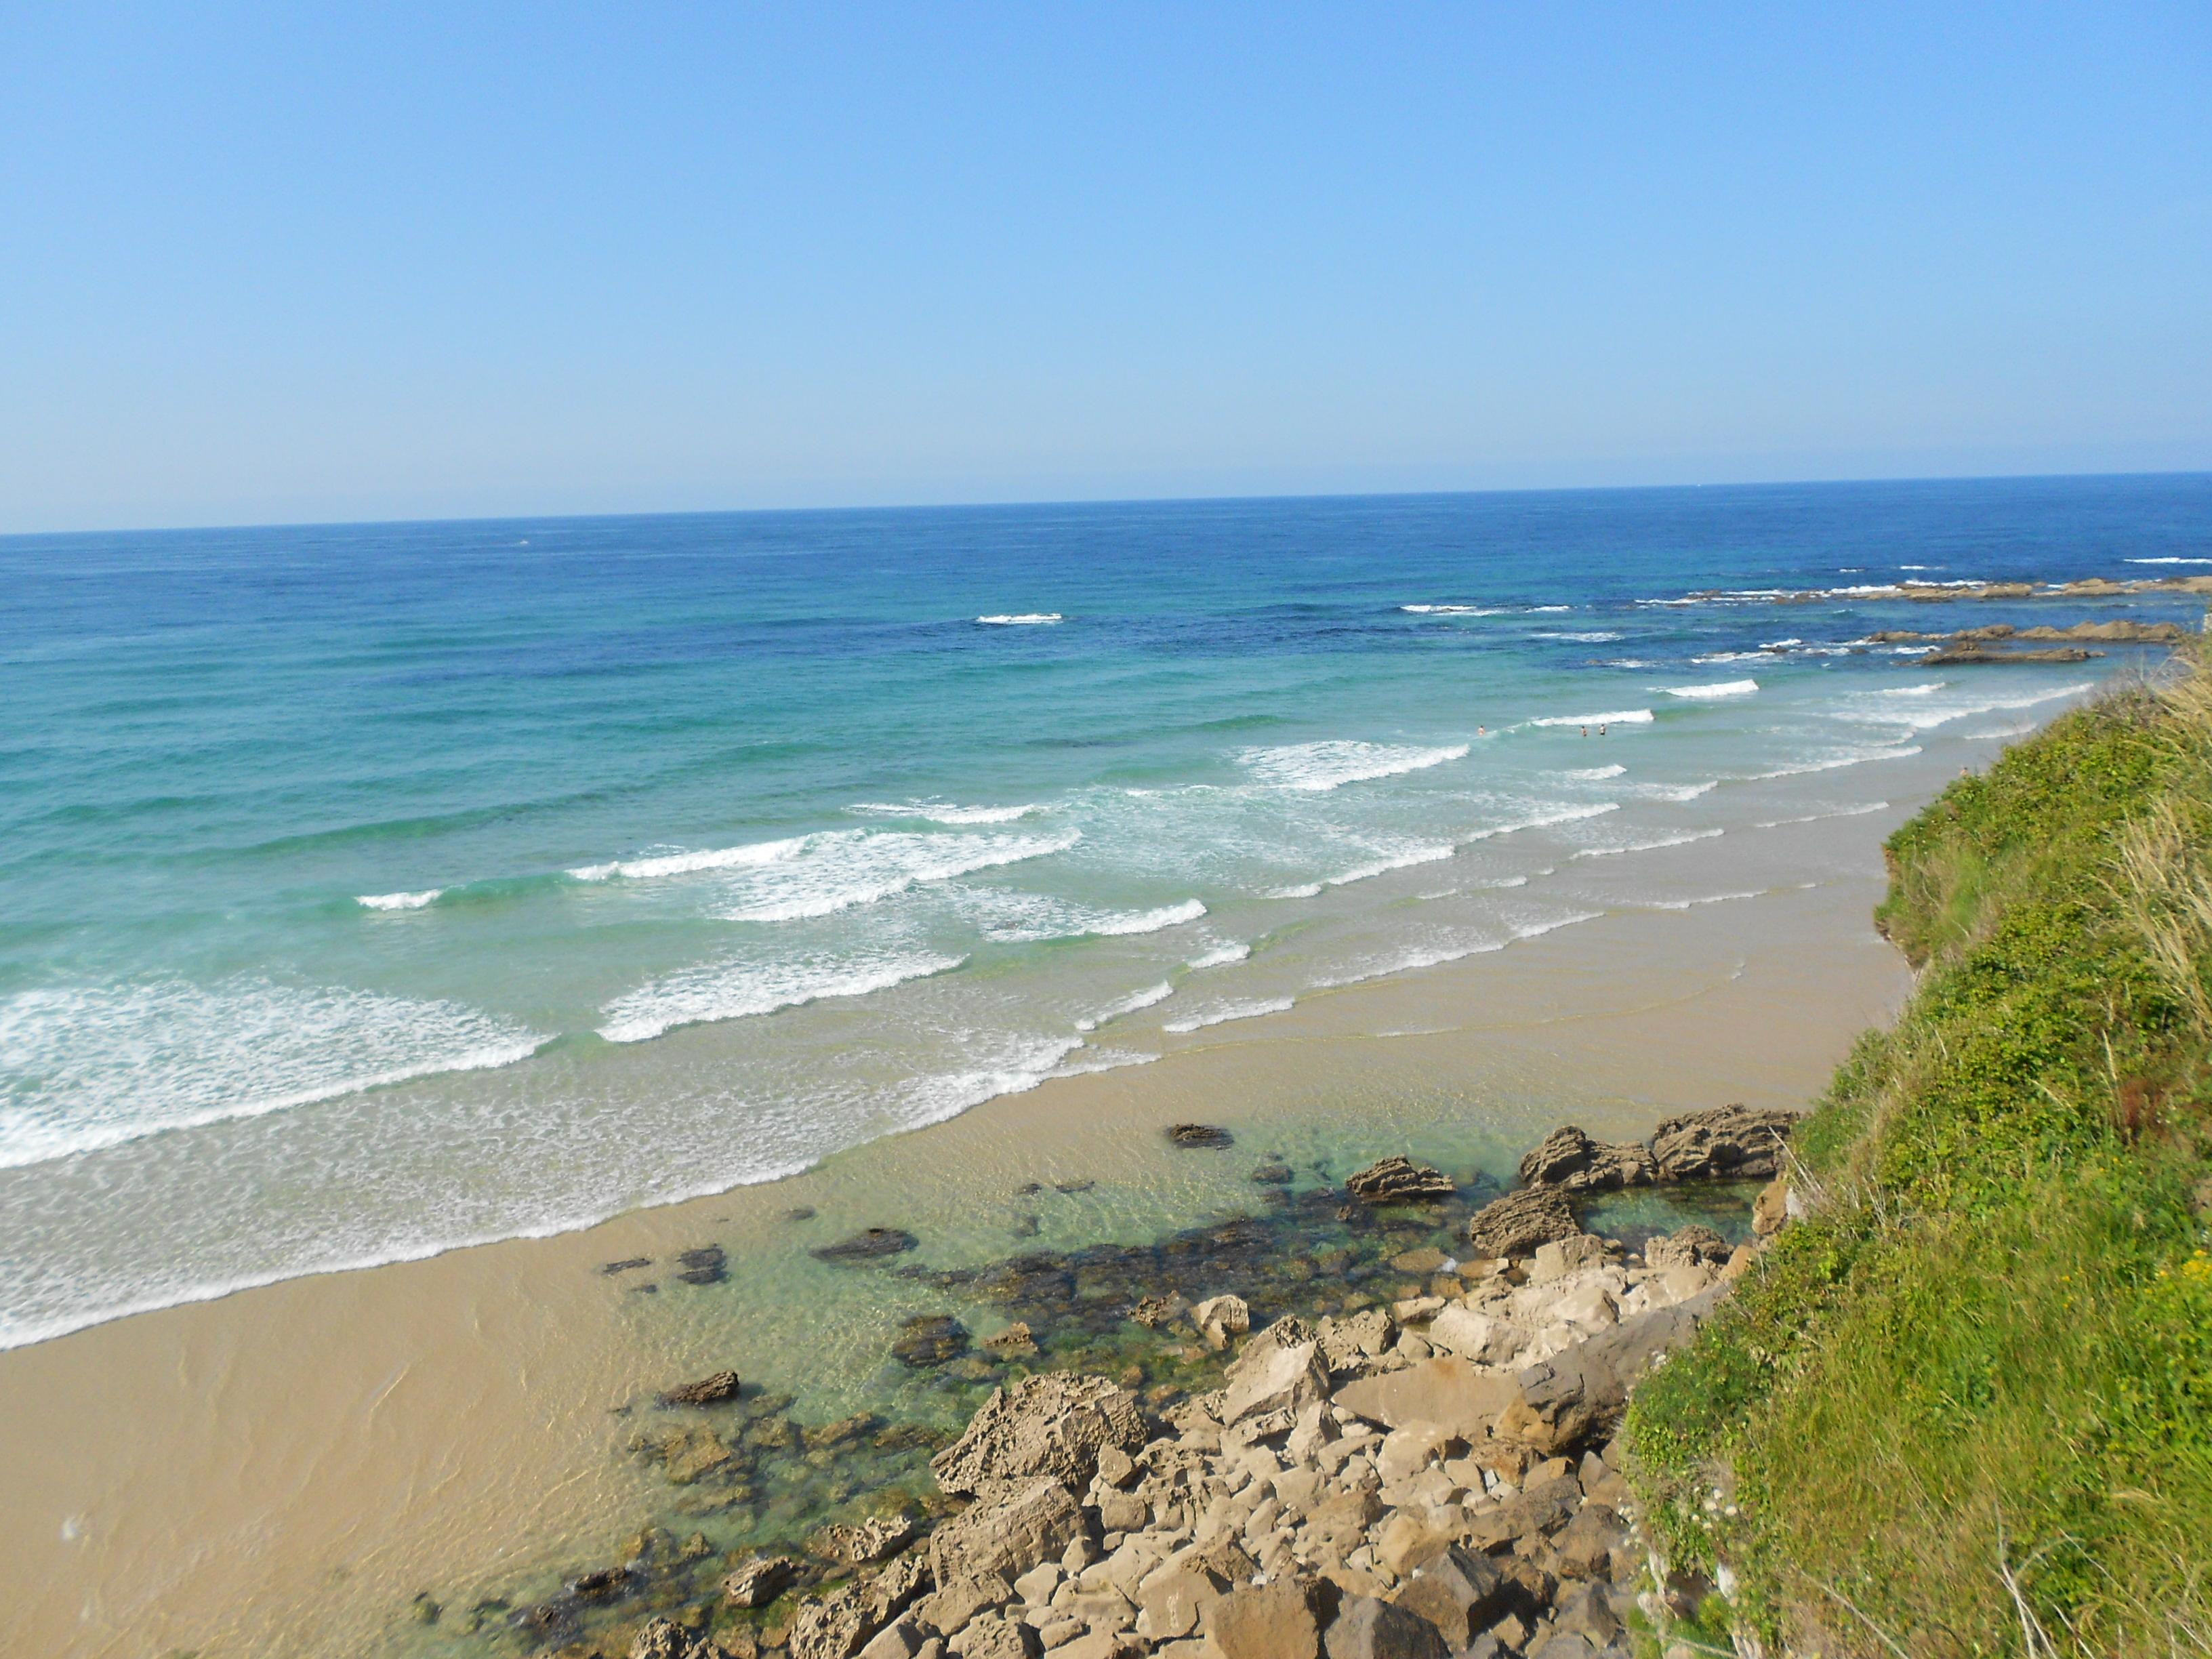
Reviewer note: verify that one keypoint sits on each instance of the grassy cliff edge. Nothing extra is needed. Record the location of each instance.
(1963, 1405)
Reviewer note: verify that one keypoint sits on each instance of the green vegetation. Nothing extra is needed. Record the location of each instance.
(1965, 1406)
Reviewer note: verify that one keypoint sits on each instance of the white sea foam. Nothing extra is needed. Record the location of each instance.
(1227, 1011)
(690, 863)
(1929, 689)
(1592, 774)
(1305, 889)
(1834, 763)
(1103, 1059)
(1015, 1066)
(1220, 956)
(1762, 655)
(1058, 921)
(1682, 839)
(1545, 609)
(1818, 818)
(1676, 792)
(1719, 689)
(1404, 859)
(1131, 1004)
(1335, 762)
(1690, 903)
(86, 1066)
(1921, 717)
(1452, 610)
(839, 869)
(399, 901)
(1021, 619)
(1544, 820)
(2169, 560)
(736, 990)
(1614, 717)
(1595, 636)
(1420, 956)
(938, 812)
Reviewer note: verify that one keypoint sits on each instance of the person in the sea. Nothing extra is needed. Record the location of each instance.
(1586, 731)
(1601, 730)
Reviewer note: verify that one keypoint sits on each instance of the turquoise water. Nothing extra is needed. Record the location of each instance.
(367, 890)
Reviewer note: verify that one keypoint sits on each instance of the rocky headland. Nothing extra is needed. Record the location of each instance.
(1424, 1469)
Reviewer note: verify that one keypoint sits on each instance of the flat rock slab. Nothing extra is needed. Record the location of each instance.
(870, 1244)
(1447, 1392)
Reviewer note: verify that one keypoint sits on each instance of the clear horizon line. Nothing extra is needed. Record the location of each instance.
(1012, 501)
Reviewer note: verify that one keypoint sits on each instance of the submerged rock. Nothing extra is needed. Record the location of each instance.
(870, 1244)
(930, 1339)
(1521, 1221)
(706, 1391)
(704, 1266)
(1201, 1137)
(626, 1265)
(1400, 1181)
(759, 1581)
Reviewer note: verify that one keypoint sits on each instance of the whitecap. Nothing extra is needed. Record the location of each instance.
(1835, 762)
(2169, 560)
(1821, 818)
(938, 812)
(1335, 762)
(87, 1067)
(1228, 1012)
(1404, 860)
(1151, 995)
(1220, 956)
(1652, 846)
(689, 863)
(1092, 924)
(837, 869)
(1719, 689)
(1592, 774)
(738, 990)
(1597, 636)
(1451, 610)
(1929, 689)
(1545, 609)
(398, 901)
(1616, 717)
(1021, 619)
(1543, 820)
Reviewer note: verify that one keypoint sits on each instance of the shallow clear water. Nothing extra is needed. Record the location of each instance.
(368, 889)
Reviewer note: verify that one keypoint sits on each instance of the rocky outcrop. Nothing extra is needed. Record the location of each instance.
(870, 1244)
(664, 1638)
(1517, 1222)
(1201, 1137)
(1400, 1181)
(1727, 1143)
(929, 1340)
(714, 1390)
(1569, 1158)
(1054, 1425)
(759, 1581)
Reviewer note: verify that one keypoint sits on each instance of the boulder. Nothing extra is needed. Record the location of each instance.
(1569, 1158)
(1726, 1142)
(1008, 1531)
(1519, 1222)
(1366, 1628)
(1693, 1246)
(1274, 1380)
(994, 1637)
(1400, 1181)
(1476, 1336)
(664, 1638)
(1172, 1599)
(1563, 1400)
(1270, 1622)
(1450, 1393)
(1347, 1343)
(1459, 1592)
(1220, 1317)
(1769, 1210)
(836, 1626)
(759, 1581)
(866, 1544)
(901, 1640)
(1564, 1257)
(1054, 1424)
(948, 1608)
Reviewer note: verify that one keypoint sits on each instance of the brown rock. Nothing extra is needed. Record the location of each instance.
(759, 1581)
(1052, 1425)
(1458, 1592)
(929, 1340)
(1569, 1158)
(1769, 1210)
(866, 1544)
(1517, 1222)
(663, 1638)
(1008, 1531)
(1201, 1137)
(1172, 1601)
(994, 1637)
(1273, 1621)
(706, 1391)
(1274, 1380)
(955, 1602)
(870, 1244)
(1726, 1142)
(1366, 1628)
(1693, 1246)
(1400, 1181)
(1446, 1391)
(835, 1626)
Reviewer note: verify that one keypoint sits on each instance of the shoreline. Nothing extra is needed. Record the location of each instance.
(483, 1373)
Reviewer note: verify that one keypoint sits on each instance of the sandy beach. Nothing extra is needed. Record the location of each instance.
(279, 1472)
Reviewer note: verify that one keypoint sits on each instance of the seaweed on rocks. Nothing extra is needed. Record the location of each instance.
(869, 1245)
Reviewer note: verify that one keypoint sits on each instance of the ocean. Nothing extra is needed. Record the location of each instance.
(366, 890)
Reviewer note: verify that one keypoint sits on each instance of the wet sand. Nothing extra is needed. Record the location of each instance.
(279, 1472)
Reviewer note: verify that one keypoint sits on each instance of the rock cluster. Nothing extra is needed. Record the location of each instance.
(1400, 1181)
(1430, 1480)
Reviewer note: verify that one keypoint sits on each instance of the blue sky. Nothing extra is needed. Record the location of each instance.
(353, 261)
